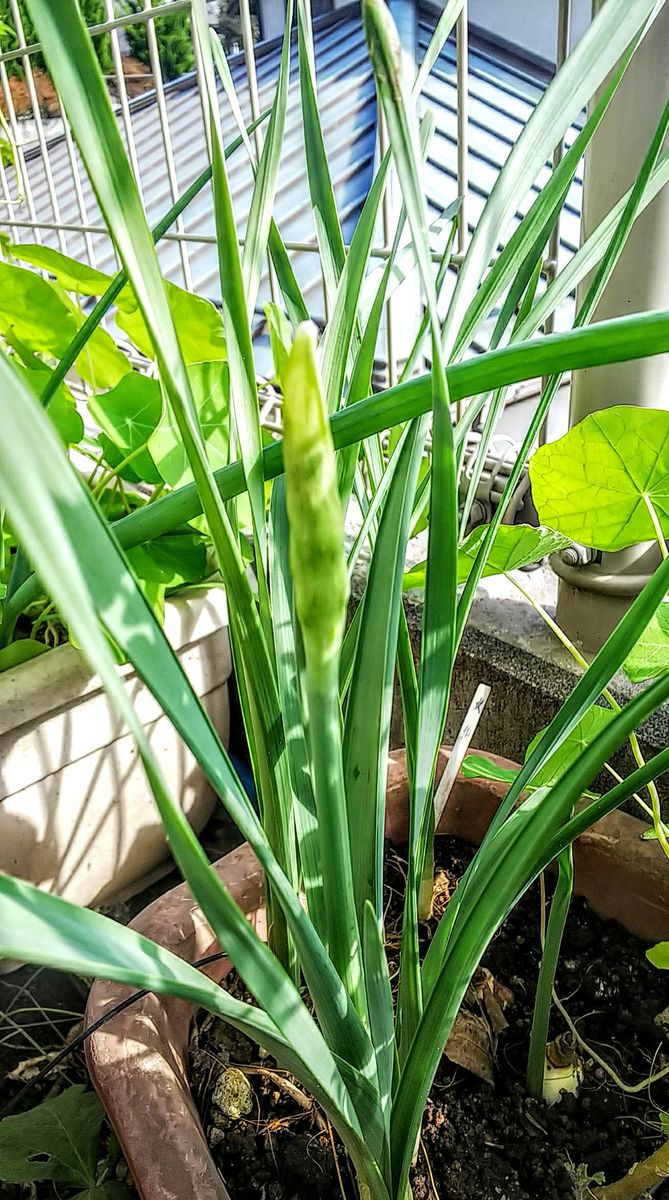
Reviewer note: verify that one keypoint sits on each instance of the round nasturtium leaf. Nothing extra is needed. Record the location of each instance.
(210, 382)
(659, 956)
(513, 547)
(592, 483)
(570, 750)
(62, 409)
(128, 415)
(650, 656)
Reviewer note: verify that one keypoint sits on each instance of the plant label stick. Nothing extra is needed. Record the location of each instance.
(460, 747)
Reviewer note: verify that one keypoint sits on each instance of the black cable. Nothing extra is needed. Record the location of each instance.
(81, 1037)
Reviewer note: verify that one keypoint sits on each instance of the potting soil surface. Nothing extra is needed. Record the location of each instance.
(483, 1137)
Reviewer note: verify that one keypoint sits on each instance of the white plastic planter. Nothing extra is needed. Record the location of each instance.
(76, 814)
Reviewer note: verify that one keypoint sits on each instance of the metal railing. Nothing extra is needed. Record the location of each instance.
(32, 139)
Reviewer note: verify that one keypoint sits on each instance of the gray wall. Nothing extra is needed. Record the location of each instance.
(529, 24)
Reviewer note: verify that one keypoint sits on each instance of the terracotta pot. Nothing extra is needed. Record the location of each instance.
(137, 1061)
(77, 816)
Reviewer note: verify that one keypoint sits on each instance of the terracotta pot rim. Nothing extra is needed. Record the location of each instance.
(137, 1061)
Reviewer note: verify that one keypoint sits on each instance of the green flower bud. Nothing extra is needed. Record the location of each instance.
(315, 514)
(385, 50)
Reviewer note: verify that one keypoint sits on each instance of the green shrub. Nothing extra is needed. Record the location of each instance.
(174, 41)
(93, 13)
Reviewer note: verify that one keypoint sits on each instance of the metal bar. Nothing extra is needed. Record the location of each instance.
(380, 252)
(252, 80)
(154, 56)
(79, 190)
(462, 68)
(117, 60)
(109, 25)
(550, 267)
(37, 115)
(386, 217)
(8, 202)
(24, 181)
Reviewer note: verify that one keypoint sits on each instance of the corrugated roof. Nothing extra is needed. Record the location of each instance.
(500, 100)
(348, 107)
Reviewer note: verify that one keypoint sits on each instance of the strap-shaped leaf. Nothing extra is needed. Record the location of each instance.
(234, 302)
(367, 726)
(617, 340)
(323, 203)
(522, 848)
(605, 41)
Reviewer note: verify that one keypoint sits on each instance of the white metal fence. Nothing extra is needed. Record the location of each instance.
(81, 235)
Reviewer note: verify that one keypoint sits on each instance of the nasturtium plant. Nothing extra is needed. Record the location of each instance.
(659, 956)
(60, 1141)
(477, 766)
(62, 409)
(606, 482)
(650, 657)
(37, 316)
(210, 384)
(199, 324)
(73, 275)
(514, 546)
(127, 415)
(130, 451)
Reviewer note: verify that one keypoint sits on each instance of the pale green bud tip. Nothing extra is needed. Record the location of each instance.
(384, 44)
(315, 516)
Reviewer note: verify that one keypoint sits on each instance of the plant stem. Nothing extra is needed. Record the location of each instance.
(115, 472)
(643, 1178)
(536, 1062)
(656, 526)
(630, 1089)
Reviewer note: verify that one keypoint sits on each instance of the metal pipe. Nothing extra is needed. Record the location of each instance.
(462, 70)
(254, 97)
(562, 50)
(117, 61)
(154, 57)
(639, 282)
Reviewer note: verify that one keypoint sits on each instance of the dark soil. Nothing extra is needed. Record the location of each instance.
(478, 1142)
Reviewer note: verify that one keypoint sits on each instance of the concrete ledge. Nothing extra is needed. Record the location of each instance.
(508, 646)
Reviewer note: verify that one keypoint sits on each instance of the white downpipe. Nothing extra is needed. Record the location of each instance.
(592, 598)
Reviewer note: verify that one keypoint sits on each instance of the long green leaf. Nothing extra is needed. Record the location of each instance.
(338, 338)
(438, 631)
(57, 521)
(234, 293)
(323, 203)
(367, 726)
(603, 44)
(264, 190)
(75, 70)
(619, 340)
(440, 36)
(290, 289)
(522, 848)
